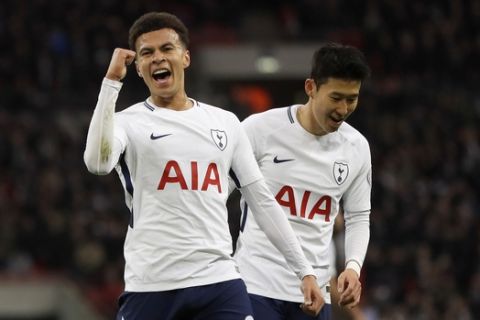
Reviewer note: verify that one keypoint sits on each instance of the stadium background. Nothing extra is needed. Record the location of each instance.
(63, 227)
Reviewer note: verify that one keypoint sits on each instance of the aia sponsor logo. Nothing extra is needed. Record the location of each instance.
(190, 177)
(308, 207)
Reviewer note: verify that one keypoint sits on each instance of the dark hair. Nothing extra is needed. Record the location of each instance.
(334, 60)
(153, 21)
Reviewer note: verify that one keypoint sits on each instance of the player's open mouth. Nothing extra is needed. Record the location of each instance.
(161, 76)
(337, 121)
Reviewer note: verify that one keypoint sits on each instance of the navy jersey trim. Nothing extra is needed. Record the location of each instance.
(234, 178)
(195, 102)
(128, 182)
(244, 217)
(290, 116)
(149, 107)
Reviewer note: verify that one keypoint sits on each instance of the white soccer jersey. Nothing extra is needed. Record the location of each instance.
(179, 235)
(174, 167)
(309, 176)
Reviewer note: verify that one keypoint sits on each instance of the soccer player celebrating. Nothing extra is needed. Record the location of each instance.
(173, 155)
(313, 162)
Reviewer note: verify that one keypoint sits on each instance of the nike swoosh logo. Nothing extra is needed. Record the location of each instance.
(154, 137)
(276, 160)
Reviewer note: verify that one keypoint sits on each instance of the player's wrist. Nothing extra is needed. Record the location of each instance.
(307, 271)
(309, 276)
(113, 77)
(112, 83)
(353, 265)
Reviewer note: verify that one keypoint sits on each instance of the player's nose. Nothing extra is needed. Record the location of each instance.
(158, 57)
(342, 108)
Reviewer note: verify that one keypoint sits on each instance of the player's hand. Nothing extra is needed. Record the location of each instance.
(349, 288)
(121, 58)
(313, 300)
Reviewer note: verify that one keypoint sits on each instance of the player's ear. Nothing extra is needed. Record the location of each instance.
(310, 87)
(138, 69)
(186, 59)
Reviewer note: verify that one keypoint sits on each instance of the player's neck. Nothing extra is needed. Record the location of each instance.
(307, 120)
(177, 103)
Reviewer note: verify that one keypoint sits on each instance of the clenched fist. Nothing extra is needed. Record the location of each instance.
(121, 58)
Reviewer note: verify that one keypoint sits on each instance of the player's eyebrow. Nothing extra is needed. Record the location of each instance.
(149, 47)
(343, 95)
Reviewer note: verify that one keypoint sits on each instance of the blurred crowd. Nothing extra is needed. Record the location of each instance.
(420, 112)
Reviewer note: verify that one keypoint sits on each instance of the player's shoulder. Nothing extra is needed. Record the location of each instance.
(136, 108)
(271, 119)
(273, 114)
(217, 111)
(211, 108)
(352, 135)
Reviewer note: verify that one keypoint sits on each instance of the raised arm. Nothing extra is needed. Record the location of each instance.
(100, 156)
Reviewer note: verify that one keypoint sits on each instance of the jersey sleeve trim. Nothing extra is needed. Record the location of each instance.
(290, 115)
(234, 178)
(354, 265)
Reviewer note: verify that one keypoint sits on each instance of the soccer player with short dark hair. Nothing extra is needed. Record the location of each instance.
(173, 155)
(314, 162)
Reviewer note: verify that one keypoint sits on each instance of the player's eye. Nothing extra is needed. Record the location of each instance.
(167, 48)
(145, 53)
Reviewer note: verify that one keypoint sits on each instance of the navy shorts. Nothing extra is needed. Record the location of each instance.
(226, 300)
(272, 309)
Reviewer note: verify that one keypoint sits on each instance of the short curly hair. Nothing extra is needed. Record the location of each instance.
(153, 21)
